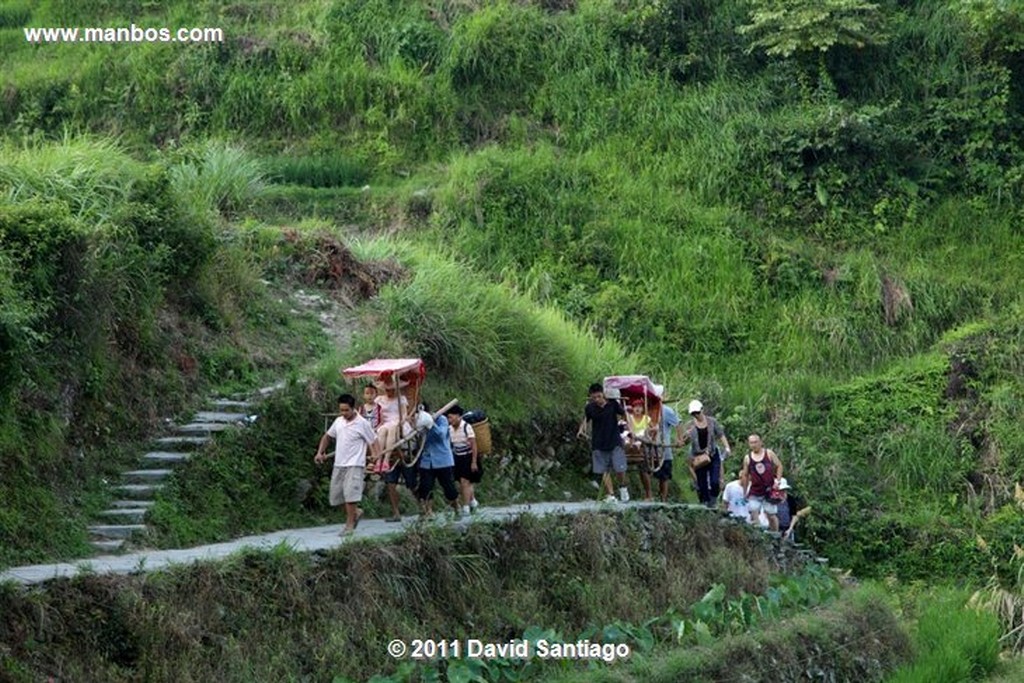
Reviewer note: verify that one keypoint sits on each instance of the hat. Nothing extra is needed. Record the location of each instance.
(783, 484)
(695, 407)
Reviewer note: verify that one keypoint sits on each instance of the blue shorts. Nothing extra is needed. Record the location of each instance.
(614, 460)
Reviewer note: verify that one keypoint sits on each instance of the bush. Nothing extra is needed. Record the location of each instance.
(496, 53)
(693, 40)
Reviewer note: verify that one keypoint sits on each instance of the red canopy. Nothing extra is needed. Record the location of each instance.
(629, 388)
(410, 370)
(634, 386)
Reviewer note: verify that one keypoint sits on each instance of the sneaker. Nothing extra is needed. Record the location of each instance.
(611, 499)
(624, 494)
(465, 509)
(396, 518)
(473, 504)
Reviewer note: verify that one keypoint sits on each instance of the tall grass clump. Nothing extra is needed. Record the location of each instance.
(85, 239)
(495, 54)
(491, 344)
(15, 14)
(954, 643)
(385, 31)
(92, 177)
(219, 178)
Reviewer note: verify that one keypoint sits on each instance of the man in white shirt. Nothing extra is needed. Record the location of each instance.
(734, 501)
(352, 433)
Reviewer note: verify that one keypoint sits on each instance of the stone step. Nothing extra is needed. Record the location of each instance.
(201, 428)
(109, 546)
(138, 490)
(222, 403)
(276, 386)
(131, 503)
(127, 515)
(146, 476)
(165, 458)
(211, 416)
(104, 531)
(183, 441)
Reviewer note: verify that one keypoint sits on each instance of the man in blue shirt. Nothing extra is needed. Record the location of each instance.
(669, 435)
(436, 462)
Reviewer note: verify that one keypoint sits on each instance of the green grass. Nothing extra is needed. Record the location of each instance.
(830, 641)
(557, 573)
(953, 643)
(119, 304)
(332, 170)
(496, 347)
(220, 178)
(575, 193)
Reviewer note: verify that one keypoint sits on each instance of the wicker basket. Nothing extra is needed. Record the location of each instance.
(482, 430)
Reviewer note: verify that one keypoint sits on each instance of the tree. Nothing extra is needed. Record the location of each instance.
(997, 25)
(785, 27)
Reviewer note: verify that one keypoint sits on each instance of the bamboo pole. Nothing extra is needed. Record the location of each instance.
(401, 442)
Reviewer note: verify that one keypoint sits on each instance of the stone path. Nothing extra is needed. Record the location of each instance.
(308, 539)
(138, 487)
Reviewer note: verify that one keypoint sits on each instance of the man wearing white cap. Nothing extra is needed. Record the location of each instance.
(705, 455)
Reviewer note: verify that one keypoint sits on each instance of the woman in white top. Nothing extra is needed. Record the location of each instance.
(468, 468)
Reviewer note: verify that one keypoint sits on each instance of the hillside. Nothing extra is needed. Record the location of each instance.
(811, 221)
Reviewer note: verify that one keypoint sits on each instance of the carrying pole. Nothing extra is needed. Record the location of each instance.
(437, 414)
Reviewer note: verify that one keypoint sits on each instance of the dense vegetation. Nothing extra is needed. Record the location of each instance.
(284, 615)
(811, 220)
(117, 305)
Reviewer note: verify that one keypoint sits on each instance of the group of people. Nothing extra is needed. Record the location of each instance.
(366, 437)
(759, 494)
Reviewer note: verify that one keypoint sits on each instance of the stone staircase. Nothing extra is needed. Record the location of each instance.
(136, 493)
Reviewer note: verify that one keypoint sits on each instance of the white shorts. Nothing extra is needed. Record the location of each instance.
(347, 485)
(755, 505)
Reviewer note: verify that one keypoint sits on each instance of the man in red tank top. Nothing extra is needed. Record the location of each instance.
(761, 469)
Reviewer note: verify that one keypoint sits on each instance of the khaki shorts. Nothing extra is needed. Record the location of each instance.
(756, 504)
(347, 485)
